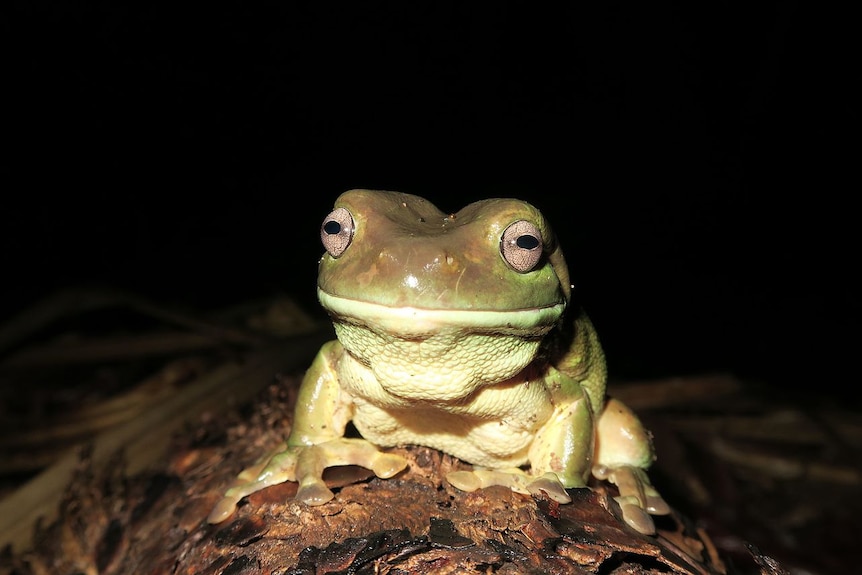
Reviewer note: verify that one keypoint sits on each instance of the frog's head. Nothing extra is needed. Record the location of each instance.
(437, 304)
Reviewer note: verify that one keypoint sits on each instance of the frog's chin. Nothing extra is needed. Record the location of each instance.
(418, 322)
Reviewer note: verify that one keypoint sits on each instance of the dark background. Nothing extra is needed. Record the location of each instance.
(698, 161)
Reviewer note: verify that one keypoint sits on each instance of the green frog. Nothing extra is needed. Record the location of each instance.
(455, 332)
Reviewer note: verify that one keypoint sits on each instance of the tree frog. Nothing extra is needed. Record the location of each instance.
(455, 332)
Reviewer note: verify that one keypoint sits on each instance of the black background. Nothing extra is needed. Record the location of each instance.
(698, 161)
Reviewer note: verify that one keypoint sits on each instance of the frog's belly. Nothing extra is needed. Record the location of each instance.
(489, 443)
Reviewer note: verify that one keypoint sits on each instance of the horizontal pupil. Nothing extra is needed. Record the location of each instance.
(332, 227)
(527, 242)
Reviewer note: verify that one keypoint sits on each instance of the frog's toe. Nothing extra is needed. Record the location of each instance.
(464, 480)
(222, 510)
(514, 479)
(638, 499)
(386, 465)
(227, 504)
(517, 480)
(656, 505)
(635, 516)
(314, 493)
(550, 486)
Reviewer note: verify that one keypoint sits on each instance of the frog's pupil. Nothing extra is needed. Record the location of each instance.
(527, 242)
(332, 228)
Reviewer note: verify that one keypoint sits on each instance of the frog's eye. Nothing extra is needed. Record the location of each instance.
(336, 232)
(521, 246)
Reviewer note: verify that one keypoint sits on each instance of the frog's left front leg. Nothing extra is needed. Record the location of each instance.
(306, 464)
(563, 448)
(316, 442)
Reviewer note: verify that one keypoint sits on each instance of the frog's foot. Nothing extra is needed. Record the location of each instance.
(638, 499)
(314, 459)
(515, 479)
(306, 464)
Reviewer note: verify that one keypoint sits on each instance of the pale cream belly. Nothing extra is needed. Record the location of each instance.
(493, 426)
(490, 443)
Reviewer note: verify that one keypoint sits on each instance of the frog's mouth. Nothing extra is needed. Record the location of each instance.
(438, 355)
(407, 321)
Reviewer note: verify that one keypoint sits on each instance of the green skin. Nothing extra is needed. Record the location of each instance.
(443, 343)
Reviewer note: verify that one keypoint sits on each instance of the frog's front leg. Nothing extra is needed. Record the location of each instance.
(623, 453)
(315, 443)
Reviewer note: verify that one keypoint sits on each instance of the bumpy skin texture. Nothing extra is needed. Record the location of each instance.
(455, 332)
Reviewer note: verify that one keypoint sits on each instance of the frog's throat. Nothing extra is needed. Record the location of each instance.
(416, 320)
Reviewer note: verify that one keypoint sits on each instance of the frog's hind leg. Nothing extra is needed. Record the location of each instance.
(623, 453)
(560, 457)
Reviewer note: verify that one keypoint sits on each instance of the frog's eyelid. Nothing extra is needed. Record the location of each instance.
(336, 231)
(521, 245)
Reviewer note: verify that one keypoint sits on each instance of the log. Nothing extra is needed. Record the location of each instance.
(113, 520)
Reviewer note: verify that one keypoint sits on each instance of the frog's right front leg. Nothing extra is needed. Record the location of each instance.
(316, 442)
